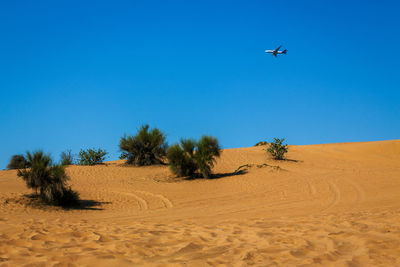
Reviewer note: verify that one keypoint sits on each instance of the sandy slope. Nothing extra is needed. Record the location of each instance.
(329, 205)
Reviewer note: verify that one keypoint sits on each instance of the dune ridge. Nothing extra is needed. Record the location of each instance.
(327, 205)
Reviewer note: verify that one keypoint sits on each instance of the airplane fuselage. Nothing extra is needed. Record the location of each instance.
(276, 51)
(273, 52)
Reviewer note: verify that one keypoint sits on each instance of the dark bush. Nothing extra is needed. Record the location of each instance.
(17, 162)
(145, 148)
(49, 181)
(56, 191)
(67, 158)
(91, 157)
(181, 158)
(277, 149)
(189, 156)
(38, 174)
(207, 150)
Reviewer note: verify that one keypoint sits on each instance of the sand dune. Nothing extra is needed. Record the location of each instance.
(328, 205)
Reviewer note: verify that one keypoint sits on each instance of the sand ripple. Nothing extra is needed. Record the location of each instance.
(329, 205)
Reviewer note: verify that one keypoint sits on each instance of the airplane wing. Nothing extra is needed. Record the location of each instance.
(278, 48)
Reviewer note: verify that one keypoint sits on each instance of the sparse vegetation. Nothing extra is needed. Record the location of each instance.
(67, 158)
(262, 143)
(277, 149)
(91, 156)
(17, 162)
(145, 148)
(244, 168)
(189, 156)
(49, 181)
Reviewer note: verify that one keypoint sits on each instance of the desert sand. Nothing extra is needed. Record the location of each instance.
(327, 205)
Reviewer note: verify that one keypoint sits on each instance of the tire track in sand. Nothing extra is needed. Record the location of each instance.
(167, 203)
(336, 195)
(143, 205)
(360, 193)
(311, 188)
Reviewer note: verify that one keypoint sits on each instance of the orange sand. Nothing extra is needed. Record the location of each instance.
(330, 205)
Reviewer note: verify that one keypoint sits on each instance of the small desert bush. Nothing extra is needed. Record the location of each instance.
(91, 156)
(147, 147)
(49, 181)
(277, 149)
(182, 159)
(17, 162)
(190, 157)
(67, 158)
(207, 150)
(38, 173)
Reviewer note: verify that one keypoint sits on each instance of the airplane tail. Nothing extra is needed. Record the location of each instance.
(284, 51)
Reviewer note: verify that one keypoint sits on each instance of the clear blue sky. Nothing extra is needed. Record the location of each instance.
(80, 74)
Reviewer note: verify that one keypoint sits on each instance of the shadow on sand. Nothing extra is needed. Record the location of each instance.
(87, 204)
(217, 175)
(35, 201)
(289, 160)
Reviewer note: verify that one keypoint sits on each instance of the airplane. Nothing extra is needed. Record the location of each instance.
(276, 51)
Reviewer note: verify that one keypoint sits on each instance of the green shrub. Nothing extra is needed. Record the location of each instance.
(277, 149)
(181, 158)
(38, 174)
(56, 191)
(189, 156)
(207, 150)
(49, 181)
(145, 148)
(67, 158)
(91, 156)
(17, 162)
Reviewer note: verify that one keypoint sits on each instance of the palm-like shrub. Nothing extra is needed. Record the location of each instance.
(145, 148)
(38, 174)
(207, 150)
(17, 162)
(67, 158)
(182, 159)
(277, 149)
(56, 191)
(49, 181)
(189, 156)
(91, 156)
